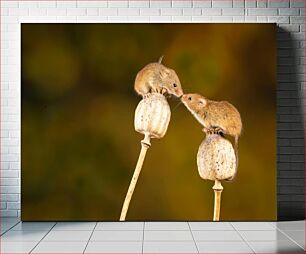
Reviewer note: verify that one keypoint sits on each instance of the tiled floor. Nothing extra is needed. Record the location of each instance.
(152, 237)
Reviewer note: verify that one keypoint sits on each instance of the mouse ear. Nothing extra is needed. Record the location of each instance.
(164, 73)
(167, 71)
(160, 59)
(203, 101)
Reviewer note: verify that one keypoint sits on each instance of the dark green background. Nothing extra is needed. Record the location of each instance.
(79, 146)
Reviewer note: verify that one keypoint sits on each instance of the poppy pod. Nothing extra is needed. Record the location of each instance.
(152, 116)
(216, 159)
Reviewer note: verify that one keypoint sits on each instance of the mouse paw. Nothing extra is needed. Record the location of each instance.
(205, 130)
(208, 130)
(163, 91)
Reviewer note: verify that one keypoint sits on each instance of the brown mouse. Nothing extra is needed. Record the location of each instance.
(216, 116)
(155, 77)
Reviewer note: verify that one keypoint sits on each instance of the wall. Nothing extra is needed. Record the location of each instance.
(288, 14)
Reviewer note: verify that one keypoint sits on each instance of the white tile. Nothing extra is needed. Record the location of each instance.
(139, 19)
(9, 220)
(216, 236)
(181, 3)
(222, 3)
(99, 236)
(167, 236)
(160, 19)
(74, 226)
(297, 3)
(295, 234)
(192, 11)
(276, 247)
(223, 247)
(211, 12)
(92, 11)
(279, 3)
(273, 224)
(166, 226)
(169, 247)
(258, 235)
(160, 3)
(33, 226)
(150, 11)
(2, 230)
(252, 226)
(291, 225)
(238, 3)
(119, 226)
(114, 247)
(222, 19)
(60, 247)
(118, 3)
(88, 4)
(211, 226)
(181, 19)
(262, 11)
(17, 247)
(7, 225)
(66, 4)
(137, 3)
(301, 243)
(68, 236)
(23, 236)
(172, 11)
(201, 3)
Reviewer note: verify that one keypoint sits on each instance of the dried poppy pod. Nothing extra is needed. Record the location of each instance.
(216, 161)
(216, 158)
(152, 117)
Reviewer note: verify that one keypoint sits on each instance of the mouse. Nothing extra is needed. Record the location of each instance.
(155, 77)
(218, 117)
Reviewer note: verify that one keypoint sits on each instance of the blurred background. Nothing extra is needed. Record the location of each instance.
(79, 146)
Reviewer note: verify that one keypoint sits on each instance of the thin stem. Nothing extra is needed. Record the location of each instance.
(145, 144)
(218, 190)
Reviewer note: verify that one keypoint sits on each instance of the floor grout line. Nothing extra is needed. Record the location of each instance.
(273, 225)
(193, 237)
(247, 243)
(10, 228)
(233, 227)
(143, 231)
(90, 236)
(149, 241)
(290, 238)
(43, 237)
(244, 239)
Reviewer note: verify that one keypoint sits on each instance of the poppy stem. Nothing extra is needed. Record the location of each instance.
(218, 190)
(145, 144)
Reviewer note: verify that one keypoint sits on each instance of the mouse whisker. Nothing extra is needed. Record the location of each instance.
(175, 107)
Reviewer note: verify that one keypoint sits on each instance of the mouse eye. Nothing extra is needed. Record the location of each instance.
(189, 98)
(174, 85)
